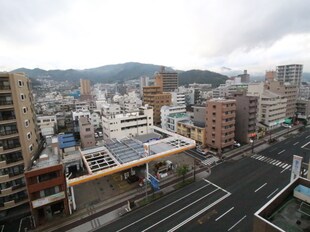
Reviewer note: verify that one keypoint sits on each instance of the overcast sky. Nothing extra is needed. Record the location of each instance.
(204, 34)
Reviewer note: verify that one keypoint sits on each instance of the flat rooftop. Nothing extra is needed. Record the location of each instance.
(116, 155)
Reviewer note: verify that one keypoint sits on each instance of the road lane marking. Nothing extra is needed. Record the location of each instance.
(260, 187)
(305, 144)
(236, 223)
(199, 213)
(281, 152)
(224, 214)
(215, 185)
(199, 199)
(164, 207)
(272, 193)
(308, 136)
(295, 143)
(285, 168)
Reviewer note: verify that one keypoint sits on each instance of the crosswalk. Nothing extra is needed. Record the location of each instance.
(271, 161)
(210, 161)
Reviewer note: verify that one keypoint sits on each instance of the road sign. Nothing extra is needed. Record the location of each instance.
(154, 183)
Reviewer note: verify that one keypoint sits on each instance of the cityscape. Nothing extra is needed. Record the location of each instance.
(123, 130)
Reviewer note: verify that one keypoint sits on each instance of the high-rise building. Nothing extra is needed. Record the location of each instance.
(167, 81)
(144, 81)
(220, 124)
(245, 77)
(85, 87)
(154, 96)
(19, 139)
(290, 73)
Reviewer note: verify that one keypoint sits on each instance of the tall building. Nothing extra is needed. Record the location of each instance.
(85, 87)
(144, 81)
(270, 75)
(220, 124)
(246, 115)
(167, 81)
(154, 96)
(87, 133)
(245, 77)
(290, 73)
(19, 139)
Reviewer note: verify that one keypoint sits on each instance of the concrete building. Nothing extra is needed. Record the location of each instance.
(110, 109)
(220, 124)
(165, 111)
(303, 108)
(144, 81)
(19, 139)
(193, 131)
(87, 133)
(270, 75)
(246, 118)
(290, 73)
(47, 188)
(47, 125)
(128, 124)
(177, 98)
(173, 119)
(85, 87)
(199, 115)
(245, 77)
(95, 120)
(304, 91)
(271, 106)
(153, 96)
(286, 90)
(167, 81)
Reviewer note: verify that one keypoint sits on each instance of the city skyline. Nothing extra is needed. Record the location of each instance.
(184, 35)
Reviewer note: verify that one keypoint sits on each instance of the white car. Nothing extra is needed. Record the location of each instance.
(286, 125)
(96, 135)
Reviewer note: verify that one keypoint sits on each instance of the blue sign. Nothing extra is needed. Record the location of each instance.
(154, 183)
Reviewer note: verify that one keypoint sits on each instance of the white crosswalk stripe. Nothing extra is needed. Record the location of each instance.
(268, 160)
(210, 161)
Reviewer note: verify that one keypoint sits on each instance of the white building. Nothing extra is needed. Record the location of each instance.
(290, 73)
(177, 98)
(173, 119)
(47, 125)
(166, 110)
(95, 120)
(110, 109)
(127, 124)
(80, 113)
(144, 81)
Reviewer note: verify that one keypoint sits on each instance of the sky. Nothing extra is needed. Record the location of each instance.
(182, 34)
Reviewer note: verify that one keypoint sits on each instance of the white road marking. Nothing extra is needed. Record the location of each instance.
(285, 168)
(305, 144)
(278, 163)
(163, 207)
(236, 223)
(260, 187)
(295, 143)
(199, 199)
(198, 213)
(272, 193)
(215, 185)
(281, 152)
(224, 214)
(308, 136)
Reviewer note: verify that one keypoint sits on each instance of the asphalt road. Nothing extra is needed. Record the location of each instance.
(227, 200)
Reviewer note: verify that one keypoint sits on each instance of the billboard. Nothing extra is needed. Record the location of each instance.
(296, 167)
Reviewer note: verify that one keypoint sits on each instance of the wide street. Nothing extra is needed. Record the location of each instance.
(226, 200)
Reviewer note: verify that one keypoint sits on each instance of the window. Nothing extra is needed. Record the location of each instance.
(87, 129)
(24, 110)
(28, 135)
(31, 147)
(26, 123)
(22, 96)
(20, 83)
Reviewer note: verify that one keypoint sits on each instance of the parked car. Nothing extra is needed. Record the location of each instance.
(96, 135)
(132, 179)
(201, 151)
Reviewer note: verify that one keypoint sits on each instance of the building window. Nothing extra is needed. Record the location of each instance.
(24, 110)
(20, 83)
(28, 135)
(87, 129)
(31, 148)
(27, 123)
(22, 96)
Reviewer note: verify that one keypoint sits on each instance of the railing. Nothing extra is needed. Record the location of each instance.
(11, 146)
(5, 87)
(8, 132)
(5, 103)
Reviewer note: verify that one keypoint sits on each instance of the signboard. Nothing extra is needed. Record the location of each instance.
(154, 183)
(296, 167)
(47, 200)
(146, 149)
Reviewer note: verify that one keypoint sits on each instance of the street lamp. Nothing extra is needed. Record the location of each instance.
(252, 142)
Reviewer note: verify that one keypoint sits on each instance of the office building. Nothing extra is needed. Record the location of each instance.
(291, 73)
(144, 81)
(85, 87)
(19, 139)
(220, 124)
(153, 96)
(167, 81)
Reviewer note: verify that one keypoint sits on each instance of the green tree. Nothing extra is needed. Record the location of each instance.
(182, 171)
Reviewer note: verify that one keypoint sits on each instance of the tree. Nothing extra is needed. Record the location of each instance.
(182, 171)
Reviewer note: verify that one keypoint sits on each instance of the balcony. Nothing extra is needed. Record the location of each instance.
(8, 134)
(14, 203)
(230, 143)
(232, 122)
(5, 88)
(9, 149)
(225, 116)
(12, 190)
(7, 177)
(11, 163)
(5, 104)
(228, 130)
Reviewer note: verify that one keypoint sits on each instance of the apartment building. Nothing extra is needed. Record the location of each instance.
(189, 129)
(173, 119)
(290, 73)
(246, 118)
(47, 124)
(87, 133)
(270, 75)
(19, 139)
(167, 81)
(153, 96)
(199, 114)
(303, 108)
(220, 124)
(286, 90)
(177, 98)
(165, 111)
(128, 124)
(144, 81)
(46, 186)
(85, 87)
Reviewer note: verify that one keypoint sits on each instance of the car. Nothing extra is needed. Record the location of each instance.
(96, 135)
(286, 125)
(132, 179)
(100, 134)
(237, 145)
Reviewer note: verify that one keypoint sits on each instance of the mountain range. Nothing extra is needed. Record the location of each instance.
(123, 72)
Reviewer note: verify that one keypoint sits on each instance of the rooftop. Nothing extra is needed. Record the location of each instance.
(178, 115)
(46, 159)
